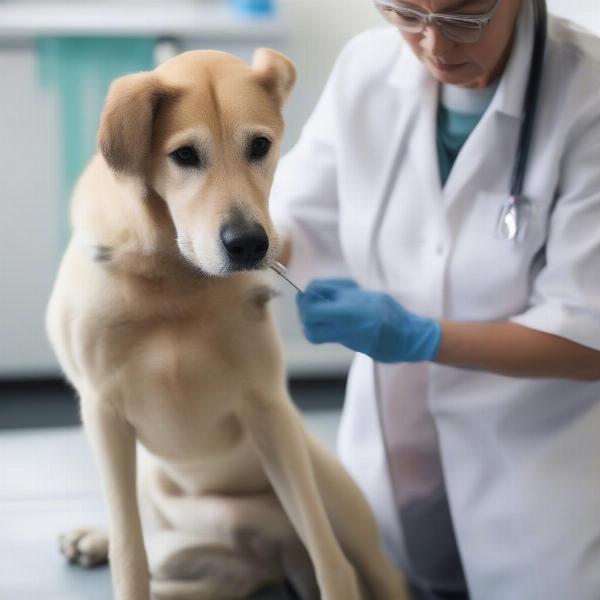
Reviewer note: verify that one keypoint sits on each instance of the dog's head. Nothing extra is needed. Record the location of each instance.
(203, 132)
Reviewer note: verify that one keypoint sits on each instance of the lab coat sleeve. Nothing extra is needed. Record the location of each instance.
(565, 298)
(304, 197)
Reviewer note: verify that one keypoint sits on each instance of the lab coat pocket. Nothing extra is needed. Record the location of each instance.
(489, 276)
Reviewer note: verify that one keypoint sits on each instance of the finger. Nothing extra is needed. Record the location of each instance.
(342, 309)
(327, 288)
(310, 301)
(341, 314)
(313, 311)
(321, 333)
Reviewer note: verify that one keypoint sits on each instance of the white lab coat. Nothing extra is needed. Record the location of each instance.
(521, 457)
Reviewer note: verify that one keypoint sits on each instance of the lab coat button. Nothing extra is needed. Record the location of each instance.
(439, 249)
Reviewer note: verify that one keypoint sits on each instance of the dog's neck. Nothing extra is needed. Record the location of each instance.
(132, 233)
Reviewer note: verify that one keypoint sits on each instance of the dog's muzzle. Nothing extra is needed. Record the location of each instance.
(246, 244)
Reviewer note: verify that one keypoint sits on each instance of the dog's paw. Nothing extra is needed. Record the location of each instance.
(85, 547)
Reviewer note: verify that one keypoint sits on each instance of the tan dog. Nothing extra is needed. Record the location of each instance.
(159, 320)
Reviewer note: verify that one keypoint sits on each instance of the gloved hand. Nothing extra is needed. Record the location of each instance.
(338, 310)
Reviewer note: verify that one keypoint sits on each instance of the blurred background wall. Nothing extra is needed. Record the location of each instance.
(318, 29)
(32, 133)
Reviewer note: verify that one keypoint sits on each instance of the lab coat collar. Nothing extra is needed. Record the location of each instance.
(409, 73)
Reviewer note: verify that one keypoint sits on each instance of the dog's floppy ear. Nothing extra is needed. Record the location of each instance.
(275, 71)
(125, 133)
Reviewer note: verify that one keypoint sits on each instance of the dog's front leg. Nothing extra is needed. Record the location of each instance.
(113, 443)
(278, 434)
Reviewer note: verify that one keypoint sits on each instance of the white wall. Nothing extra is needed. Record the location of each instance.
(318, 31)
(584, 12)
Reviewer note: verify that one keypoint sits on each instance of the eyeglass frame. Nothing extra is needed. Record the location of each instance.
(426, 19)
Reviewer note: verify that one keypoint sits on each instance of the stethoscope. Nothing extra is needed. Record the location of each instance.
(511, 221)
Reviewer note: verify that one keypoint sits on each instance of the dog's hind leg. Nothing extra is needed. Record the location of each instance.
(204, 537)
(85, 547)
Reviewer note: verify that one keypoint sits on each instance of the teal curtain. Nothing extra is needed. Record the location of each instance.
(79, 70)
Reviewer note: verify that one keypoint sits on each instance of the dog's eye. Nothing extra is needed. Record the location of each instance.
(186, 156)
(258, 148)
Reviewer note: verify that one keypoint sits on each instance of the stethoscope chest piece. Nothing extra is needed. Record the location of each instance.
(513, 219)
(508, 222)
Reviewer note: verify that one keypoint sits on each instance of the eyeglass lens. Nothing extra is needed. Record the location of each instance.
(411, 22)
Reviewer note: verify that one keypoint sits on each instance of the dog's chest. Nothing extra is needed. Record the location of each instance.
(178, 392)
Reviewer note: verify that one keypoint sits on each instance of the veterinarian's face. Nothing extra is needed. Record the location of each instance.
(473, 65)
(214, 152)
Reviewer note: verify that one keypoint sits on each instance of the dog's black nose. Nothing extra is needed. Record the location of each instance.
(246, 244)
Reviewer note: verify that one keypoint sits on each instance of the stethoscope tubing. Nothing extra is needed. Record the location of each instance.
(532, 95)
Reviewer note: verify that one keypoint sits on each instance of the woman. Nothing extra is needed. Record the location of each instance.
(479, 346)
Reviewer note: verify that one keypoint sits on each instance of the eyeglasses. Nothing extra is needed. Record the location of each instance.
(465, 29)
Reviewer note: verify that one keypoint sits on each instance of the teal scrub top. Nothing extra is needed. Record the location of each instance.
(459, 112)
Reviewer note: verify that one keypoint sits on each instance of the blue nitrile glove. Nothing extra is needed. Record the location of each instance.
(338, 310)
